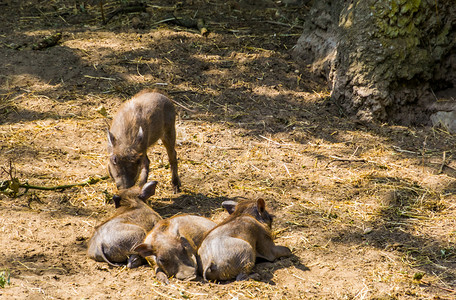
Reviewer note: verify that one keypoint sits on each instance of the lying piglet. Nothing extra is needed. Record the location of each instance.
(229, 250)
(173, 243)
(113, 241)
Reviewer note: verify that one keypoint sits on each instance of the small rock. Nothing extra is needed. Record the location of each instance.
(418, 276)
(137, 23)
(368, 230)
(102, 111)
(446, 119)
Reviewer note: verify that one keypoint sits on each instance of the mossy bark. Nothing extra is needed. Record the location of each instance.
(383, 59)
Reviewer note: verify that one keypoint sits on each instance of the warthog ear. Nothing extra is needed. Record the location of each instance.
(111, 141)
(144, 250)
(140, 136)
(116, 200)
(188, 245)
(229, 205)
(190, 249)
(148, 190)
(261, 205)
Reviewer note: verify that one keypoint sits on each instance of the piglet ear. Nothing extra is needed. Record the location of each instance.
(190, 248)
(229, 205)
(261, 205)
(116, 200)
(111, 141)
(188, 245)
(148, 190)
(144, 250)
(140, 136)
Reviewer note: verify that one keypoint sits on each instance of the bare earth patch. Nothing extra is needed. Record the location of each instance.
(367, 209)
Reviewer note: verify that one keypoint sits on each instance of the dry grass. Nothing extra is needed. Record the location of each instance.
(364, 208)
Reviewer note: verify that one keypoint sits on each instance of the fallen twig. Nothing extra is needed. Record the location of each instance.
(164, 21)
(91, 180)
(103, 17)
(435, 285)
(335, 158)
(104, 78)
(183, 106)
(442, 166)
(268, 139)
(286, 168)
(349, 160)
(186, 22)
(11, 187)
(48, 41)
(443, 163)
(285, 24)
(133, 7)
(398, 149)
(274, 142)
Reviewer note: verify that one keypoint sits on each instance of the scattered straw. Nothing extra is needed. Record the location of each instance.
(161, 294)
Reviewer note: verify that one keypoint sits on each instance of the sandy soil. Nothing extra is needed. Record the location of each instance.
(367, 209)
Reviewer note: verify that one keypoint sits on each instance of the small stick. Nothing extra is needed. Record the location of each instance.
(443, 163)
(28, 268)
(404, 151)
(347, 159)
(62, 187)
(433, 94)
(285, 24)
(63, 20)
(277, 143)
(183, 106)
(356, 150)
(163, 295)
(102, 12)
(299, 277)
(131, 8)
(164, 21)
(286, 168)
(93, 77)
(438, 286)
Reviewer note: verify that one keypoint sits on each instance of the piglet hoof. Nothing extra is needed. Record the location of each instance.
(162, 277)
(255, 276)
(176, 185)
(242, 277)
(176, 190)
(134, 261)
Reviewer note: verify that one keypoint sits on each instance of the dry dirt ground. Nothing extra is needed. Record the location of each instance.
(367, 209)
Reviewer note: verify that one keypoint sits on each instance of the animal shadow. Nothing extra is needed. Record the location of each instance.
(266, 269)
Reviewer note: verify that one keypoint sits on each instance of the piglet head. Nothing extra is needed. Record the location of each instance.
(125, 164)
(256, 209)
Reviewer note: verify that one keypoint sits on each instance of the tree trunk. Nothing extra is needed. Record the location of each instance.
(384, 60)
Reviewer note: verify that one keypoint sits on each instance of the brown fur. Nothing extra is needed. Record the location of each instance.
(137, 125)
(229, 250)
(254, 208)
(114, 239)
(173, 245)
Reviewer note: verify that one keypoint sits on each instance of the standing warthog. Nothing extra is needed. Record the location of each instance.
(229, 250)
(113, 240)
(173, 244)
(137, 125)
